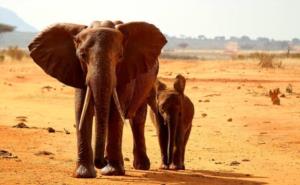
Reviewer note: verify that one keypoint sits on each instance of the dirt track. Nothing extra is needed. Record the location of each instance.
(260, 145)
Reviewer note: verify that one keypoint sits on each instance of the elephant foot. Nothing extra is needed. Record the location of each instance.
(141, 163)
(84, 171)
(176, 167)
(100, 163)
(164, 167)
(113, 170)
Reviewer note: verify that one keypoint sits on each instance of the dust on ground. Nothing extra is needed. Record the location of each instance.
(238, 135)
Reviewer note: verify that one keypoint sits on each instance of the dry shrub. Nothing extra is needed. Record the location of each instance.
(13, 52)
(274, 96)
(2, 58)
(258, 55)
(16, 53)
(266, 60)
(177, 56)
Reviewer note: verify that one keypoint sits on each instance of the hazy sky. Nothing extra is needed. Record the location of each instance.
(279, 19)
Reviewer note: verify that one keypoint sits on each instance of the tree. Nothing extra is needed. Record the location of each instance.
(245, 38)
(183, 45)
(220, 38)
(296, 41)
(201, 37)
(6, 28)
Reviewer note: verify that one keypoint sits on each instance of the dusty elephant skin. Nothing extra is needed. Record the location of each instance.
(98, 60)
(172, 113)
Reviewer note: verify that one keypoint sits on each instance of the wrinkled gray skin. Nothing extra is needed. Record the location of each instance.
(172, 113)
(98, 60)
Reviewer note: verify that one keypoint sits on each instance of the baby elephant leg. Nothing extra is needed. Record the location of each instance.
(179, 152)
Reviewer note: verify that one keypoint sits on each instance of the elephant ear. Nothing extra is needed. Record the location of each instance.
(142, 46)
(54, 51)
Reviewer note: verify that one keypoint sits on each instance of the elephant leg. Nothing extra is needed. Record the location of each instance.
(186, 138)
(177, 163)
(181, 141)
(85, 166)
(141, 160)
(162, 131)
(114, 157)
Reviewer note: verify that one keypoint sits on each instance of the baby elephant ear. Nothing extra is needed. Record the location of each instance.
(160, 85)
(179, 84)
(142, 46)
(54, 51)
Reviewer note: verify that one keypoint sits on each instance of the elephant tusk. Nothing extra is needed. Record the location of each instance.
(169, 143)
(117, 103)
(85, 106)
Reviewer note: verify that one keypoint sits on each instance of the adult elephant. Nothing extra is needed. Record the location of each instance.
(112, 69)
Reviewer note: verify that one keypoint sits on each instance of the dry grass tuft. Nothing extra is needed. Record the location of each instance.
(14, 53)
(266, 60)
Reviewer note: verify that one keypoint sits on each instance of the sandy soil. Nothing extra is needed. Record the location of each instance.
(260, 144)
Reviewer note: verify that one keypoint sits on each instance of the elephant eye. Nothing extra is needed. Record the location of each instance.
(82, 54)
(120, 55)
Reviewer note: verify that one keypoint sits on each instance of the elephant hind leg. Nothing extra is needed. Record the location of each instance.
(181, 154)
(141, 160)
(180, 146)
(186, 138)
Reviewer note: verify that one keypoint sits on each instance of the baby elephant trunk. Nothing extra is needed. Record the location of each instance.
(171, 139)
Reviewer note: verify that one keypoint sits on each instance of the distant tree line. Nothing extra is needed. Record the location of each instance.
(6, 28)
(221, 43)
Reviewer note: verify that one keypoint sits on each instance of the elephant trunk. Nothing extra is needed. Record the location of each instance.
(171, 140)
(101, 83)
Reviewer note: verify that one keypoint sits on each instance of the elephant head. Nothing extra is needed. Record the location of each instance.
(169, 109)
(97, 58)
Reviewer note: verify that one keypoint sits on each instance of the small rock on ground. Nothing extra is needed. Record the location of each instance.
(44, 152)
(7, 155)
(20, 125)
(51, 130)
(204, 115)
(66, 131)
(235, 163)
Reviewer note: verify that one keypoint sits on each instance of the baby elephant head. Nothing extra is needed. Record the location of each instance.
(169, 101)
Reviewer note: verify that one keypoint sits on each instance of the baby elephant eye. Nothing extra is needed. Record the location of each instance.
(82, 55)
(120, 56)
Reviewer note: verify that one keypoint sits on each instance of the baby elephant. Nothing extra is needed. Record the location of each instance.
(172, 113)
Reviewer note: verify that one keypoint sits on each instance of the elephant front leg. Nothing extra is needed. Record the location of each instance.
(163, 144)
(85, 166)
(141, 160)
(114, 157)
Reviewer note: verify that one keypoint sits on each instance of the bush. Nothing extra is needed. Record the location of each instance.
(2, 58)
(266, 60)
(14, 53)
(177, 56)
